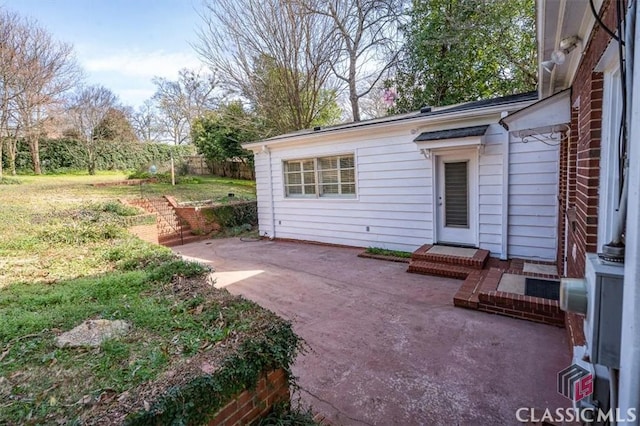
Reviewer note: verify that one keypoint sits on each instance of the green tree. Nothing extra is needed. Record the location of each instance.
(285, 101)
(465, 50)
(218, 134)
(115, 126)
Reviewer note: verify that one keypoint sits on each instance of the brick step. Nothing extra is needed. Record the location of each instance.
(439, 269)
(478, 261)
(174, 234)
(171, 227)
(177, 241)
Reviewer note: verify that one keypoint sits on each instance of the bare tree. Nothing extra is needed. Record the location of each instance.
(46, 69)
(144, 121)
(367, 42)
(266, 46)
(179, 102)
(87, 109)
(9, 26)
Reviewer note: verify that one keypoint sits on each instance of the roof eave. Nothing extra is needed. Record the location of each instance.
(443, 118)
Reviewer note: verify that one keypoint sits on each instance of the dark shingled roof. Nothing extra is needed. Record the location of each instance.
(464, 132)
(425, 112)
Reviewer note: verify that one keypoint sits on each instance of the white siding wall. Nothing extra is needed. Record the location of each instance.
(533, 199)
(490, 190)
(393, 196)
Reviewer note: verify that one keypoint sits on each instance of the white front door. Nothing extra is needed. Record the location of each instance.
(456, 198)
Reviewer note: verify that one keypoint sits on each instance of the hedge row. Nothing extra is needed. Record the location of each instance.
(58, 155)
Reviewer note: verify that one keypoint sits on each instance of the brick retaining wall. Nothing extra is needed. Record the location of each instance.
(250, 405)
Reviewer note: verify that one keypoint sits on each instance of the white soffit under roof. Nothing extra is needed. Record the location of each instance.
(552, 111)
(557, 20)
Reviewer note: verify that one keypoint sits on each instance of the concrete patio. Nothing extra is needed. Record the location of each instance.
(389, 347)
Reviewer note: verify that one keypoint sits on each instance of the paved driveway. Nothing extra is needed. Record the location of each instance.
(388, 347)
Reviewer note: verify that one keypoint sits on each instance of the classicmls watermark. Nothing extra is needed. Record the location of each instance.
(571, 415)
(575, 383)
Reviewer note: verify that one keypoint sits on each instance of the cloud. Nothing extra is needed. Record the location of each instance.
(129, 73)
(139, 64)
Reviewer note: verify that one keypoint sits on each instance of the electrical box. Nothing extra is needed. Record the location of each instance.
(604, 282)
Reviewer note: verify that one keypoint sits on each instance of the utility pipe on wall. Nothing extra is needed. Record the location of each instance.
(629, 387)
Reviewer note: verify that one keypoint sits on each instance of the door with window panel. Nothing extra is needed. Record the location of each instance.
(456, 199)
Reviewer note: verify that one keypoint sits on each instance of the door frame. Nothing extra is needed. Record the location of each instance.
(472, 155)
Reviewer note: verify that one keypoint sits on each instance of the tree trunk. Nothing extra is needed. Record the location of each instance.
(34, 147)
(355, 107)
(1, 170)
(91, 163)
(12, 149)
(353, 90)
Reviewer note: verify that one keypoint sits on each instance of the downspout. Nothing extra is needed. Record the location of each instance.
(505, 195)
(271, 197)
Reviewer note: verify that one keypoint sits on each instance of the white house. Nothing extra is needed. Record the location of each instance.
(451, 175)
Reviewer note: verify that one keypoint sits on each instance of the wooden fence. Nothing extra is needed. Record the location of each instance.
(197, 165)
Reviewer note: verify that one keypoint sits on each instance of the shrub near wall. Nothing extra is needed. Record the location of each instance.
(57, 155)
(208, 219)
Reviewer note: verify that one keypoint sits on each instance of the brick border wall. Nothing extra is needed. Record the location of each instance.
(535, 309)
(388, 258)
(196, 220)
(250, 405)
(581, 178)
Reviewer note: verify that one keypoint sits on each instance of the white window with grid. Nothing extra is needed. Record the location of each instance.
(336, 176)
(327, 177)
(300, 178)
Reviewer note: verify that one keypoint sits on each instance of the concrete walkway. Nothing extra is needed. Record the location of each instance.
(388, 347)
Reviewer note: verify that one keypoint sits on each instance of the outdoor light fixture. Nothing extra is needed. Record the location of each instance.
(567, 45)
(558, 57)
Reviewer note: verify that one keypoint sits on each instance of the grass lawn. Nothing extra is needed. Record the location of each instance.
(40, 204)
(65, 257)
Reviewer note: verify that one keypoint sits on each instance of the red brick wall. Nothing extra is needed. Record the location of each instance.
(582, 176)
(530, 308)
(250, 405)
(196, 220)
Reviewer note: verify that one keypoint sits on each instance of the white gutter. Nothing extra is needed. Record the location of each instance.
(629, 389)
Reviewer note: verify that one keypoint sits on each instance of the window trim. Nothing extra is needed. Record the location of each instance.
(609, 185)
(316, 170)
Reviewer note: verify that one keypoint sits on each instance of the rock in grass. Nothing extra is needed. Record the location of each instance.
(92, 333)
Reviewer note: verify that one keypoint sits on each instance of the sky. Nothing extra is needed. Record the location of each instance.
(122, 44)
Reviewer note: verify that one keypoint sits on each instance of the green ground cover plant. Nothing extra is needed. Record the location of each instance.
(386, 252)
(66, 257)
